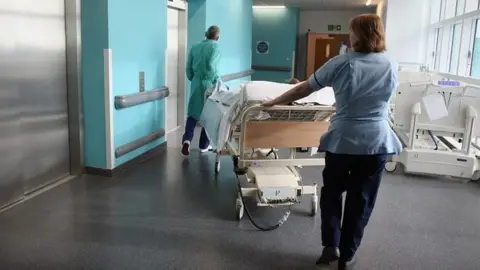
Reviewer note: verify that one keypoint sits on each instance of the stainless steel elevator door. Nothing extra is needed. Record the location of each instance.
(37, 64)
(41, 50)
(11, 184)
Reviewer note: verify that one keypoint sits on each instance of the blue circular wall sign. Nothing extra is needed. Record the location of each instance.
(262, 47)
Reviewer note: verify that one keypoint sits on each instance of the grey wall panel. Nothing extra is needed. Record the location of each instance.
(11, 185)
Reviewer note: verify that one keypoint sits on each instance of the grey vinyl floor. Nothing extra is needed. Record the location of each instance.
(173, 213)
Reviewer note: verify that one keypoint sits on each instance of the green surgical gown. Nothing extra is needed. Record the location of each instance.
(202, 71)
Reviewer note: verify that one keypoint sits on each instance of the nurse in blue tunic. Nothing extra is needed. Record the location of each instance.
(359, 139)
(203, 71)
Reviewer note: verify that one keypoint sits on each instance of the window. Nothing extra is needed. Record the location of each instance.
(450, 7)
(471, 43)
(475, 67)
(454, 37)
(455, 48)
(437, 48)
(471, 5)
(433, 48)
(461, 7)
(435, 12)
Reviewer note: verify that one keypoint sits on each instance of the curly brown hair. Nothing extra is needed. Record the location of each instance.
(370, 33)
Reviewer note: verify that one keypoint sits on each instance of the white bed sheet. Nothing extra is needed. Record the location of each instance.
(263, 90)
(223, 106)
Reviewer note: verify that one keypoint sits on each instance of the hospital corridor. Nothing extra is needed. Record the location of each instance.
(240, 134)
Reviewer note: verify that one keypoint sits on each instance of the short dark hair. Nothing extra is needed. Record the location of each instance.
(370, 33)
(212, 32)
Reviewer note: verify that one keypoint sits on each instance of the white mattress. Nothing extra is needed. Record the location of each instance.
(223, 106)
(262, 91)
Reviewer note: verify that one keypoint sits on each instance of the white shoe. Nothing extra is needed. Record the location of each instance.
(206, 149)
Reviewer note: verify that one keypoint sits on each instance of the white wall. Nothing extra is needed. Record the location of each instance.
(318, 21)
(407, 30)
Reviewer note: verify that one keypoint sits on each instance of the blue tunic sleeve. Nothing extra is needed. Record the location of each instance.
(325, 75)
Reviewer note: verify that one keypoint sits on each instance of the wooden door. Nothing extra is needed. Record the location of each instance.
(325, 49)
(313, 59)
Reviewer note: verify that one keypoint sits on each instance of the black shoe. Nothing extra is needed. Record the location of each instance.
(348, 265)
(329, 256)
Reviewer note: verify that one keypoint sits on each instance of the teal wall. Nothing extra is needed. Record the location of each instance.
(279, 27)
(137, 35)
(234, 17)
(197, 26)
(138, 39)
(94, 17)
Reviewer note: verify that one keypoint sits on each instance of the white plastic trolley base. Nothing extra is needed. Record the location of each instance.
(416, 158)
(275, 186)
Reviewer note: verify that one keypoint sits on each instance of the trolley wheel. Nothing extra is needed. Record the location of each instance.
(314, 206)
(391, 166)
(239, 209)
(476, 178)
(217, 167)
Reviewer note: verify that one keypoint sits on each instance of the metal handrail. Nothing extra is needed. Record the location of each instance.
(130, 100)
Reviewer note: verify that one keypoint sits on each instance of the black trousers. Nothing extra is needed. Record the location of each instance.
(359, 177)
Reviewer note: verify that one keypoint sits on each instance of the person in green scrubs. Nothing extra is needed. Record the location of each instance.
(203, 72)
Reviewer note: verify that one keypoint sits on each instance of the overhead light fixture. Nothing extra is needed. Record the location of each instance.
(369, 2)
(277, 7)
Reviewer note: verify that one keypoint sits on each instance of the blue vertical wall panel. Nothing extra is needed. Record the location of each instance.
(138, 39)
(196, 28)
(94, 24)
(279, 27)
(234, 17)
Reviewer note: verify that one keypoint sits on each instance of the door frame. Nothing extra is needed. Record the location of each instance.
(74, 90)
(182, 7)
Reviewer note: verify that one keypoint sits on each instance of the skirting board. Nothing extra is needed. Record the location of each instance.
(129, 164)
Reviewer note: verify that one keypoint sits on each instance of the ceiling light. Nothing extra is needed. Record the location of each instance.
(369, 2)
(268, 6)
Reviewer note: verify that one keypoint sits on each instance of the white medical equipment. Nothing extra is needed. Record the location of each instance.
(255, 133)
(437, 121)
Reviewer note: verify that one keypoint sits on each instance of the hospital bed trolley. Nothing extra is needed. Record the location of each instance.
(253, 144)
(444, 146)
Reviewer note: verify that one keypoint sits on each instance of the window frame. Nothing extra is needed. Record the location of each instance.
(444, 51)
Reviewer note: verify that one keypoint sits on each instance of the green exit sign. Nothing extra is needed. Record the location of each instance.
(334, 27)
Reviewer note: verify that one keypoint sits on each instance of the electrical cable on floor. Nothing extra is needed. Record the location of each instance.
(265, 229)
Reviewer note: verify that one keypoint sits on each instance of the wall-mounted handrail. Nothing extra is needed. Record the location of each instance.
(271, 68)
(238, 75)
(133, 145)
(125, 101)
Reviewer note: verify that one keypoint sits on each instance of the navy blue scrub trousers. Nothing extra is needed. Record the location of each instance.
(190, 131)
(358, 176)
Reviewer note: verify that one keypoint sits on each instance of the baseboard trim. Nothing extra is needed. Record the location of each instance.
(131, 164)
